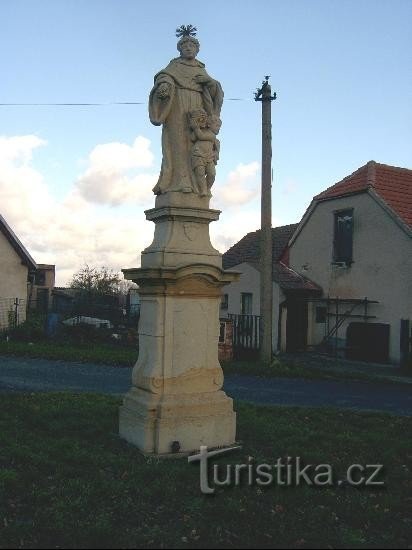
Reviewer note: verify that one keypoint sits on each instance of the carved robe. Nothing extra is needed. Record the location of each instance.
(185, 95)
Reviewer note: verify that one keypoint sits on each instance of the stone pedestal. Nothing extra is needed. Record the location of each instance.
(176, 400)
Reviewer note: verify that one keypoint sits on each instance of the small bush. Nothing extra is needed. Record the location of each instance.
(83, 334)
(32, 329)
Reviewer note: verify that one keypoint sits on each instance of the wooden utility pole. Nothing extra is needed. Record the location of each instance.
(264, 94)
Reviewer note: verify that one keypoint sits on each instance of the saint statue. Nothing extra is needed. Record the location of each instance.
(179, 90)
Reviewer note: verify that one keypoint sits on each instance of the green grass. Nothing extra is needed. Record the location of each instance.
(280, 369)
(274, 370)
(67, 480)
(89, 353)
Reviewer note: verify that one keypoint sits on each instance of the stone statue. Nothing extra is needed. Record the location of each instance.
(176, 403)
(181, 88)
(205, 149)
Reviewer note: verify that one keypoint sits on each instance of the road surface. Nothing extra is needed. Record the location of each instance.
(19, 374)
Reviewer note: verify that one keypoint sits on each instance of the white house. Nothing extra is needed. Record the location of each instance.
(355, 241)
(241, 300)
(354, 245)
(17, 269)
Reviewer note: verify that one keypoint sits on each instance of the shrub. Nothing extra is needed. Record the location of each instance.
(84, 333)
(31, 329)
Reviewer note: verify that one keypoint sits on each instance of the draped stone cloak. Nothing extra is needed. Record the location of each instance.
(185, 95)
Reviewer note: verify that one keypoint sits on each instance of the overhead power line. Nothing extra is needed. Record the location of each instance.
(70, 104)
(73, 104)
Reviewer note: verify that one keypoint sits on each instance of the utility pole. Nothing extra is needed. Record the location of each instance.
(264, 94)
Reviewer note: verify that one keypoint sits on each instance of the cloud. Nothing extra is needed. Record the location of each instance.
(23, 189)
(111, 176)
(234, 226)
(79, 229)
(18, 149)
(72, 231)
(241, 187)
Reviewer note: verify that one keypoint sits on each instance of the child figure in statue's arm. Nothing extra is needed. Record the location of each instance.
(205, 149)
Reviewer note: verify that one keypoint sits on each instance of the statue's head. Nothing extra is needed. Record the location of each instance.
(188, 47)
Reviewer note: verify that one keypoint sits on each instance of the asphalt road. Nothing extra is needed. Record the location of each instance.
(40, 375)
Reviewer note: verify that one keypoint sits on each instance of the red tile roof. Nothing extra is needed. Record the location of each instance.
(289, 279)
(248, 248)
(392, 184)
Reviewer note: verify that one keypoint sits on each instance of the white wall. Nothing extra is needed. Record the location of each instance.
(382, 262)
(249, 281)
(13, 277)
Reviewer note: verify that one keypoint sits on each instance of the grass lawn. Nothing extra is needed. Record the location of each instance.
(67, 480)
(279, 369)
(276, 369)
(88, 353)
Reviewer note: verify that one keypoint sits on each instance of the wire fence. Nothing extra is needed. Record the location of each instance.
(12, 313)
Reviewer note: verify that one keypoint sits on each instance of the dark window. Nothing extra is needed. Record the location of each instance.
(343, 237)
(225, 301)
(321, 313)
(40, 278)
(246, 303)
(222, 333)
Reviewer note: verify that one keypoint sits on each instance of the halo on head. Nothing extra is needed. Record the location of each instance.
(187, 33)
(186, 30)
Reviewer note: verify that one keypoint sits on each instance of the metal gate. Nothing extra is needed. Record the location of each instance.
(246, 336)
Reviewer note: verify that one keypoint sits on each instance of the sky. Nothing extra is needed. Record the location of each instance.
(75, 180)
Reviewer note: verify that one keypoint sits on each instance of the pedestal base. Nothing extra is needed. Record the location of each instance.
(155, 425)
(176, 403)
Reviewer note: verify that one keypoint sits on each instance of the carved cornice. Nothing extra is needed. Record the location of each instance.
(200, 280)
(198, 215)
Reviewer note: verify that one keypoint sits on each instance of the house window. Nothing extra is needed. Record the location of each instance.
(40, 278)
(343, 237)
(321, 313)
(246, 303)
(225, 301)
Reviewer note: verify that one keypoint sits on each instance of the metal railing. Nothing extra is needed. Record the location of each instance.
(246, 334)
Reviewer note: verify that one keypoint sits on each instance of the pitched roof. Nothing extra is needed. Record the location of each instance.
(289, 279)
(248, 248)
(392, 184)
(16, 244)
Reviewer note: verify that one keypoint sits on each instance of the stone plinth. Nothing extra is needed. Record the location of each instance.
(176, 393)
(181, 237)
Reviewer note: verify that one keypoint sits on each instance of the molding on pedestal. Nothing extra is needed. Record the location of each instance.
(196, 215)
(201, 280)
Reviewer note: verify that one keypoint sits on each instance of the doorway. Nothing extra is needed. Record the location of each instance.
(296, 325)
